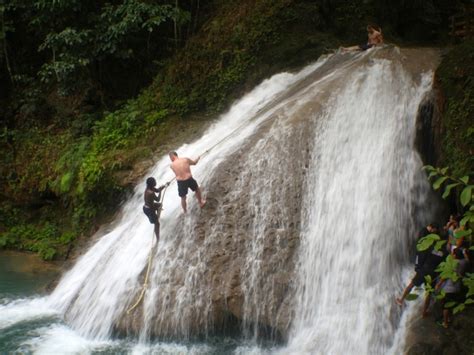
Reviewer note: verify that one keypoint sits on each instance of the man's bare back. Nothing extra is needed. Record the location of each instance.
(182, 168)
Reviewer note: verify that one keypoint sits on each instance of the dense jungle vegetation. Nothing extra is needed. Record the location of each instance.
(89, 90)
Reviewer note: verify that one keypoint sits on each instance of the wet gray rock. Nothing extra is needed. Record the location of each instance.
(425, 336)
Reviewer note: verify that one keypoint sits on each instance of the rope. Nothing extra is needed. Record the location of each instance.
(145, 283)
(150, 259)
(229, 135)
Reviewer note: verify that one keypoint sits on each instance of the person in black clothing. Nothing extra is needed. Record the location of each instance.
(152, 206)
(425, 264)
(431, 228)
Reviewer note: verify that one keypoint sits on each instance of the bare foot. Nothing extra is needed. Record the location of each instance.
(399, 301)
(203, 202)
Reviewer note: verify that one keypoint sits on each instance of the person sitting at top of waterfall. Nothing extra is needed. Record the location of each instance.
(182, 169)
(374, 38)
(152, 206)
(431, 262)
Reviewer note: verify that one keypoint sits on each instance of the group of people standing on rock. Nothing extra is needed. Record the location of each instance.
(427, 262)
(181, 167)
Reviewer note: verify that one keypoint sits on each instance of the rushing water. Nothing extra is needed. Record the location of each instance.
(316, 217)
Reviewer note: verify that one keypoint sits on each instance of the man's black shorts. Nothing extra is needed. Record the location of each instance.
(151, 214)
(183, 186)
(365, 46)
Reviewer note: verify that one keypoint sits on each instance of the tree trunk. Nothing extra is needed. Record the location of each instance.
(176, 26)
(5, 50)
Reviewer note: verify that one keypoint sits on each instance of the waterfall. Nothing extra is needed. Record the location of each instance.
(362, 194)
(313, 200)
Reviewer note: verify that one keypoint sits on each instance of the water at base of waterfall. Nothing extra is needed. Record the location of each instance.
(48, 335)
(28, 325)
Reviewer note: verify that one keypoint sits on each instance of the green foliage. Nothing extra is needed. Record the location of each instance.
(448, 268)
(468, 281)
(412, 297)
(217, 64)
(109, 34)
(463, 189)
(45, 240)
(67, 167)
(427, 241)
(456, 77)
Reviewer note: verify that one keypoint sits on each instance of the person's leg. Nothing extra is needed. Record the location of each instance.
(199, 198)
(157, 231)
(426, 305)
(445, 317)
(405, 294)
(183, 204)
(350, 49)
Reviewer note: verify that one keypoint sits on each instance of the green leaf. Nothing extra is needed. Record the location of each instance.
(468, 281)
(437, 184)
(427, 241)
(412, 297)
(466, 195)
(444, 170)
(448, 188)
(459, 308)
(439, 244)
(462, 233)
(447, 269)
(450, 304)
(428, 167)
(66, 181)
(464, 220)
(465, 179)
(428, 279)
(469, 301)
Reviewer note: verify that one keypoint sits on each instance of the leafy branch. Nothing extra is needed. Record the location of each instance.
(447, 269)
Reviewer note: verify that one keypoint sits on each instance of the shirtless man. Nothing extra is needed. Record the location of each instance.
(182, 169)
(374, 38)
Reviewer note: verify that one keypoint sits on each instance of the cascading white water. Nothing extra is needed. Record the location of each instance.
(359, 213)
(98, 290)
(316, 191)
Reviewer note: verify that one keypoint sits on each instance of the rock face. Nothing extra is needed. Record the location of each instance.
(428, 128)
(232, 264)
(244, 243)
(424, 335)
(427, 337)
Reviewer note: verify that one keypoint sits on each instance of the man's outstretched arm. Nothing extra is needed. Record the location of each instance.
(194, 162)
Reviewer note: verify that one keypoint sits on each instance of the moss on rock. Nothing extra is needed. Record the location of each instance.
(456, 78)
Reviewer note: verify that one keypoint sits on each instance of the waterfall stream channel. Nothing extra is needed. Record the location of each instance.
(312, 206)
